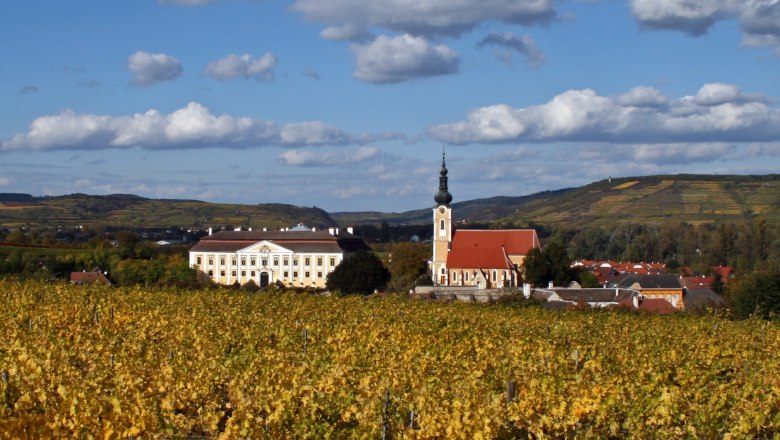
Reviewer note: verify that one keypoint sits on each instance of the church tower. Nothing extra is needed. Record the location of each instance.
(442, 229)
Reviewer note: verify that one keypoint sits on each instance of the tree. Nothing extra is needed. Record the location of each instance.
(550, 264)
(361, 273)
(757, 293)
(407, 262)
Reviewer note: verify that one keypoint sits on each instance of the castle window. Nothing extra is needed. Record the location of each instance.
(243, 273)
(222, 273)
(319, 274)
(319, 261)
(211, 261)
(276, 261)
(243, 261)
(308, 261)
(211, 273)
(295, 274)
(286, 274)
(332, 261)
(253, 261)
(265, 262)
(221, 261)
(306, 275)
(233, 261)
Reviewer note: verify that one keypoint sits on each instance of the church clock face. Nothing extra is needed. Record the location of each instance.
(441, 210)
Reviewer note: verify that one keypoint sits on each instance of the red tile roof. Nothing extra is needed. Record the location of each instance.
(489, 248)
(88, 278)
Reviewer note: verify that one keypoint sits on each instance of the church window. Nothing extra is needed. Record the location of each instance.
(495, 276)
(441, 224)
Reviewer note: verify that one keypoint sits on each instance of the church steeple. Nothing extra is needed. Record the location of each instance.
(443, 197)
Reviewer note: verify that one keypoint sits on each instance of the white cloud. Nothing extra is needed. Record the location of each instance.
(659, 154)
(764, 150)
(234, 66)
(521, 44)
(717, 113)
(151, 68)
(760, 19)
(402, 58)
(302, 158)
(4, 181)
(312, 133)
(353, 19)
(192, 126)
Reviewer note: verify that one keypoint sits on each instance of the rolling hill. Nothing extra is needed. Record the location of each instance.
(133, 211)
(693, 199)
(685, 198)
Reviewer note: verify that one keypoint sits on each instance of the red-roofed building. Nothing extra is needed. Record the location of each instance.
(96, 276)
(478, 258)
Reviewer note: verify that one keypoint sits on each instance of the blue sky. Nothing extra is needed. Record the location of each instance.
(345, 104)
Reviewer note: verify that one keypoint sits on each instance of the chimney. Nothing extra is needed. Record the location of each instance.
(550, 285)
(349, 229)
(210, 230)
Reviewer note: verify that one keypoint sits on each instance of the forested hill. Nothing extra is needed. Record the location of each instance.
(132, 211)
(693, 199)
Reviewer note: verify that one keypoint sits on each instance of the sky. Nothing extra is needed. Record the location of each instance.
(347, 104)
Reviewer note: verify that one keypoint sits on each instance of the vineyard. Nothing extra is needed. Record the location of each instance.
(96, 362)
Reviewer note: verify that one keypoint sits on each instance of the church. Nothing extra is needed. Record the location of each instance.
(484, 259)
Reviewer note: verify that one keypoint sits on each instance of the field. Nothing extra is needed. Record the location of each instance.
(96, 362)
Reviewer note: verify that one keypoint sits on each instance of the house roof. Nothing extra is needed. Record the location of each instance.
(488, 249)
(297, 241)
(610, 295)
(659, 281)
(88, 278)
(702, 298)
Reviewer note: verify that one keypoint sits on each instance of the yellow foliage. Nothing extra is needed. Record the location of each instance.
(218, 364)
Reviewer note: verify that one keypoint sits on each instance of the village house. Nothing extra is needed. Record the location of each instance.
(665, 286)
(297, 257)
(483, 259)
(95, 276)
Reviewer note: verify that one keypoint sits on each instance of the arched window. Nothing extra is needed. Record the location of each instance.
(441, 224)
